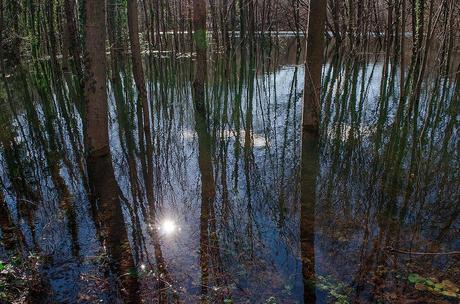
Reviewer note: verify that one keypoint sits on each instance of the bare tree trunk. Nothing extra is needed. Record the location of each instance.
(251, 19)
(224, 25)
(308, 173)
(205, 163)
(199, 24)
(1, 35)
(214, 21)
(138, 71)
(313, 65)
(402, 49)
(104, 195)
(96, 108)
(351, 26)
(208, 191)
(112, 30)
(74, 42)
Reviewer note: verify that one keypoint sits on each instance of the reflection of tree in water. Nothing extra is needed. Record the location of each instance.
(239, 131)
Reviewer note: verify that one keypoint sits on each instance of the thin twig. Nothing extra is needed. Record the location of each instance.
(391, 249)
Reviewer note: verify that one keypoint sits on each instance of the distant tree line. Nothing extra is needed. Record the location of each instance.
(56, 27)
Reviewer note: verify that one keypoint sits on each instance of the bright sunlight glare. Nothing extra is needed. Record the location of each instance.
(168, 226)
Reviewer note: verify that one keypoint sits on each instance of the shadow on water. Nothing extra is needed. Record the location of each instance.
(240, 206)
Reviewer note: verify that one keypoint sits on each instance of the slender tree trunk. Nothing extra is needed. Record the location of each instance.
(208, 191)
(205, 164)
(351, 20)
(224, 25)
(242, 10)
(251, 19)
(104, 189)
(402, 49)
(214, 21)
(1, 35)
(313, 65)
(199, 25)
(96, 108)
(112, 33)
(308, 173)
(138, 71)
(74, 41)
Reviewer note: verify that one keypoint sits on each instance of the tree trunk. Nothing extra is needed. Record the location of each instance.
(199, 24)
(402, 50)
(1, 36)
(313, 65)
(308, 173)
(104, 195)
(138, 71)
(204, 154)
(74, 42)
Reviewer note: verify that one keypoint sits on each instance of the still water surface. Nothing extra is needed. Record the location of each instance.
(247, 211)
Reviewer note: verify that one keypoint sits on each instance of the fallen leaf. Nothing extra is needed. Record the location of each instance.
(448, 285)
(449, 294)
(421, 287)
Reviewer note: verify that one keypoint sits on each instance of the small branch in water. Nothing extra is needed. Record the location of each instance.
(391, 249)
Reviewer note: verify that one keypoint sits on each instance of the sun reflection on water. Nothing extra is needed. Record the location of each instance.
(168, 227)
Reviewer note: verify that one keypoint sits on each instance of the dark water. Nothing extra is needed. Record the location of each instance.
(247, 211)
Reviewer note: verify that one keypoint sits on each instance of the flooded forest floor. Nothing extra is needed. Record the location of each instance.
(245, 210)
